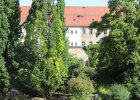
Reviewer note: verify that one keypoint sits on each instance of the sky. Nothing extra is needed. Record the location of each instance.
(73, 2)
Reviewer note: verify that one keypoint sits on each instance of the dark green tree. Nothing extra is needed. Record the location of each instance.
(93, 53)
(120, 51)
(4, 32)
(12, 11)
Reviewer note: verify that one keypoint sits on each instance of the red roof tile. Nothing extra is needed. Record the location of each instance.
(75, 16)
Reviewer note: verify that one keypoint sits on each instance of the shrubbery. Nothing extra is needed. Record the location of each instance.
(118, 92)
(80, 88)
(75, 66)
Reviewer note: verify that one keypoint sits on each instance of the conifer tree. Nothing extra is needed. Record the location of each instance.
(61, 7)
(12, 12)
(42, 66)
(4, 32)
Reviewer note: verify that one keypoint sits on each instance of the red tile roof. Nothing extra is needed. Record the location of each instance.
(75, 16)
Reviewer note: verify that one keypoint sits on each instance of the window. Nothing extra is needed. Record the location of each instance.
(71, 31)
(105, 32)
(90, 43)
(71, 43)
(90, 31)
(83, 43)
(68, 31)
(83, 31)
(75, 43)
(75, 31)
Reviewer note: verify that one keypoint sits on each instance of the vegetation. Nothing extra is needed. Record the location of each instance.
(41, 65)
(93, 53)
(43, 69)
(119, 53)
(118, 92)
(81, 89)
(4, 32)
(9, 33)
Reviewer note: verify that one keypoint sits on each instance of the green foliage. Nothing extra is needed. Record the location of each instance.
(118, 92)
(75, 66)
(12, 12)
(102, 90)
(93, 53)
(100, 98)
(80, 88)
(42, 66)
(4, 33)
(4, 78)
(9, 33)
(120, 52)
(75, 69)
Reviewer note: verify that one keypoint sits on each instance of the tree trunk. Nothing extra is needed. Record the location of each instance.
(48, 95)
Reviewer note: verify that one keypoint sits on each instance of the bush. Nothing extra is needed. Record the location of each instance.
(93, 53)
(75, 69)
(99, 98)
(103, 92)
(118, 92)
(80, 88)
(75, 66)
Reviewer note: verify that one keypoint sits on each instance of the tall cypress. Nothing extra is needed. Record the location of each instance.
(12, 12)
(42, 66)
(61, 8)
(4, 32)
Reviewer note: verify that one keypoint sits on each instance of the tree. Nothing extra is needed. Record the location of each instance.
(4, 32)
(93, 53)
(61, 7)
(12, 12)
(41, 66)
(120, 51)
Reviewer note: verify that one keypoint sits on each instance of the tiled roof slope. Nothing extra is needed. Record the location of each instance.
(75, 16)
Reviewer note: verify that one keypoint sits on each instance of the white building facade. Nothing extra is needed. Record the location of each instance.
(78, 20)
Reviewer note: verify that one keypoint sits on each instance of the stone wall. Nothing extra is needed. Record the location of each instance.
(79, 53)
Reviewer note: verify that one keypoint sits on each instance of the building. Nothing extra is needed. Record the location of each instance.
(77, 21)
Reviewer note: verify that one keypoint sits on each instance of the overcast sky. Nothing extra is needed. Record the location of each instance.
(73, 2)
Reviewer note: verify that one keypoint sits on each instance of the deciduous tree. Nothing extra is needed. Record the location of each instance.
(120, 51)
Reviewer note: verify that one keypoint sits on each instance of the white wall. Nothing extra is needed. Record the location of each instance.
(74, 37)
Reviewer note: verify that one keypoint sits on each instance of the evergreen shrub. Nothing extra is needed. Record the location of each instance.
(80, 88)
(118, 92)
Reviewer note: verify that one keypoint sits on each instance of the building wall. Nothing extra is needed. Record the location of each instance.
(74, 36)
(84, 38)
(78, 52)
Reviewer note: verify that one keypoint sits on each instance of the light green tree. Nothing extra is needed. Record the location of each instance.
(42, 66)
